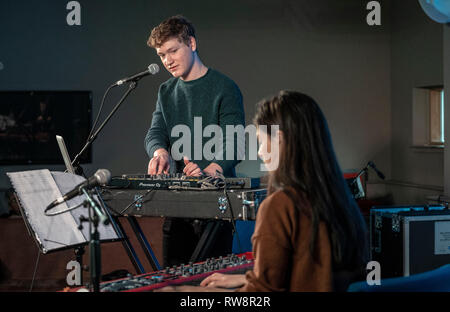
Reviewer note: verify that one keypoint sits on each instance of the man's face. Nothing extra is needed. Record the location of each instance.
(177, 57)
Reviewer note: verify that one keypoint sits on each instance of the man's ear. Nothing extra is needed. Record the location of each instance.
(193, 44)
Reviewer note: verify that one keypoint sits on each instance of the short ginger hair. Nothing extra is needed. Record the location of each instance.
(176, 26)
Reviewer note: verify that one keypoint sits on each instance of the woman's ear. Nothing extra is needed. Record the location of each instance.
(280, 136)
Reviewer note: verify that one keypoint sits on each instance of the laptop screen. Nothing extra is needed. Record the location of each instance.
(65, 154)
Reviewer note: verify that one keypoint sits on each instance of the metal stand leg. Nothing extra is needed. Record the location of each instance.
(129, 248)
(144, 243)
(95, 255)
(205, 243)
(79, 252)
(130, 251)
(124, 238)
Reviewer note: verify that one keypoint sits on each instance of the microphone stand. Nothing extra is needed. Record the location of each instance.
(94, 239)
(361, 193)
(366, 171)
(76, 161)
(94, 243)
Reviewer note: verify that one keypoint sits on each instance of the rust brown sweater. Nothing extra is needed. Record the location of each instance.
(281, 239)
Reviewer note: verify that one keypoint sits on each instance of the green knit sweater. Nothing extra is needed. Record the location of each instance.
(213, 97)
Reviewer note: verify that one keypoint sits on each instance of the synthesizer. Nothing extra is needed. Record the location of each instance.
(189, 274)
(233, 204)
(180, 182)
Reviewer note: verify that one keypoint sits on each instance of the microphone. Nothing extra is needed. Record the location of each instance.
(101, 177)
(372, 165)
(151, 69)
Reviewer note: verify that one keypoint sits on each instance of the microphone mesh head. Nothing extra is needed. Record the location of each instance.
(153, 69)
(103, 176)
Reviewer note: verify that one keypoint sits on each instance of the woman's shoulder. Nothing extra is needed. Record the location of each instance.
(279, 195)
(278, 215)
(287, 195)
(284, 200)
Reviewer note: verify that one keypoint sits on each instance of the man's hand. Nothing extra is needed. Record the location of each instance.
(191, 168)
(160, 163)
(212, 169)
(224, 280)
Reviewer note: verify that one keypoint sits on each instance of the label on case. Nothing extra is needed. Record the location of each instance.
(442, 238)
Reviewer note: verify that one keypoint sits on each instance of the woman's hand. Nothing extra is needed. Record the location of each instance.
(224, 280)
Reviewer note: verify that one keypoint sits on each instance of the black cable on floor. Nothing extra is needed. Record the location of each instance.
(35, 270)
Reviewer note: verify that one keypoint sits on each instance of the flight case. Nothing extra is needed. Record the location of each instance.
(408, 240)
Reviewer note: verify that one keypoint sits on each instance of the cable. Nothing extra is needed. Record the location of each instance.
(62, 211)
(233, 220)
(100, 110)
(206, 183)
(35, 270)
(137, 199)
(76, 161)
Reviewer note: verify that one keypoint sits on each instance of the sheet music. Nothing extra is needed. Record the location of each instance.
(36, 189)
(66, 182)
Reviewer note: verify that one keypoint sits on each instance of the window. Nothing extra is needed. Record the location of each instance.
(428, 117)
(437, 116)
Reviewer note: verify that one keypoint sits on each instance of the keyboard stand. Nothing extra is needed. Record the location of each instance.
(144, 243)
(124, 239)
(129, 248)
(206, 240)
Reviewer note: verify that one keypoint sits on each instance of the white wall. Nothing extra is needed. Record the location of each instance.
(446, 40)
(416, 61)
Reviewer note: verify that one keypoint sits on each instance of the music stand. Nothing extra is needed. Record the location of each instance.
(117, 226)
(35, 189)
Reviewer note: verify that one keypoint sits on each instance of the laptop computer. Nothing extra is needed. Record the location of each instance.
(65, 154)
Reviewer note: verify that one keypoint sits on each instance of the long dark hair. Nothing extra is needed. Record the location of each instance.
(308, 164)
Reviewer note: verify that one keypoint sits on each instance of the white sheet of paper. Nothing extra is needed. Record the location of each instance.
(442, 238)
(36, 189)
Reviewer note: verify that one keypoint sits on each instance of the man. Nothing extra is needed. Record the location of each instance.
(194, 91)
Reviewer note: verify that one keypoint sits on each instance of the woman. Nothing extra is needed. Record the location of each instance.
(309, 233)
